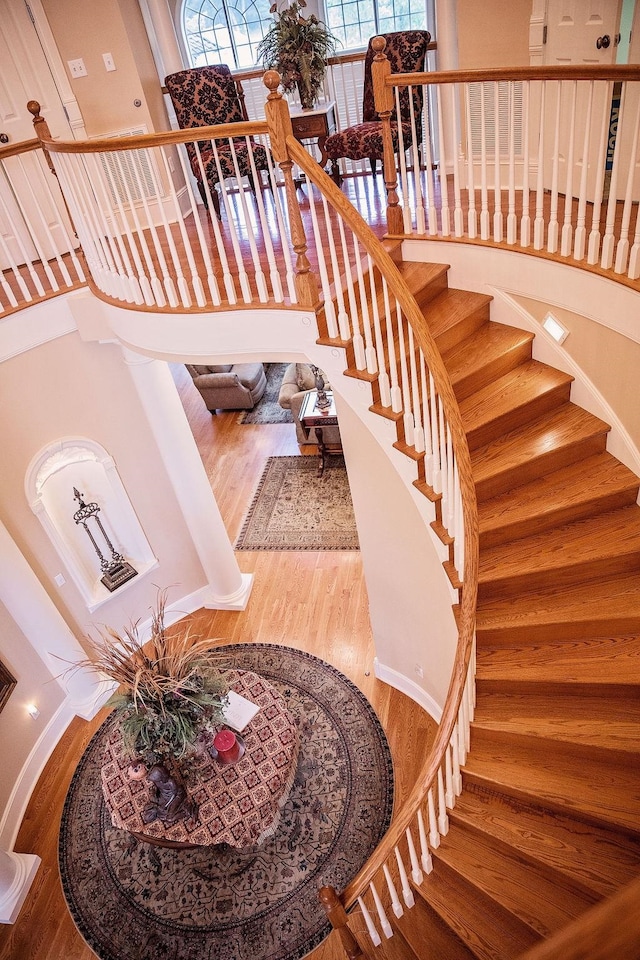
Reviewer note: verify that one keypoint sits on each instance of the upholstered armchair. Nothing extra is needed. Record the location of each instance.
(207, 96)
(406, 50)
(227, 386)
(298, 379)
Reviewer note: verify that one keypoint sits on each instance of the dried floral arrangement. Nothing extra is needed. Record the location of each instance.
(171, 686)
(298, 48)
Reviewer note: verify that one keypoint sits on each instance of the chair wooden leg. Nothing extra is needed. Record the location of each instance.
(374, 166)
(335, 173)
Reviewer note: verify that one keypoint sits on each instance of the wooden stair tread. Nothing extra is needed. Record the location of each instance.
(425, 280)
(577, 610)
(450, 309)
(606, 719)
(489, 931)
(586, 783)
(594, 547)
(521, 395)
(594, 661)
(564, 436)
(488, 353)
(599, 860)
(531, 894)
(418, 926)
(598, 483)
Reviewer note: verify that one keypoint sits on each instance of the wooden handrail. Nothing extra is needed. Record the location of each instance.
(467, 608)
(569, 72)
(24, 146)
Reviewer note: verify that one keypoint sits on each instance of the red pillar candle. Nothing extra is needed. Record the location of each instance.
(226, 743)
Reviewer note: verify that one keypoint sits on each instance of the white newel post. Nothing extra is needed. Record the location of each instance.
(44, 627)
(228, 588)
(17, 871)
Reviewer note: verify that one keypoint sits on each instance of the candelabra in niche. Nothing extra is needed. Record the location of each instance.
(115, 571)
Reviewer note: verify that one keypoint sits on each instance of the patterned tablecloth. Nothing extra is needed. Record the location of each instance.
(239, 803)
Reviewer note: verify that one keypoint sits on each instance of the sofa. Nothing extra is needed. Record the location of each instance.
(298, 379)
(229, 386)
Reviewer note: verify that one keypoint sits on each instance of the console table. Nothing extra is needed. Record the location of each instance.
(314, 418)
(315, 124)
(238, 804)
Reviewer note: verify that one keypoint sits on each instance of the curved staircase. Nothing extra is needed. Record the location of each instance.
(548, 822)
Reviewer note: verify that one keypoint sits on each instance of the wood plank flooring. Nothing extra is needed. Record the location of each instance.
(313, 601)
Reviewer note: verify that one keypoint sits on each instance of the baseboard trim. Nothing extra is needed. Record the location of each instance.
(399, 682)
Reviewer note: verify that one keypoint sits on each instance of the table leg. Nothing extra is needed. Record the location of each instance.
(321, 450)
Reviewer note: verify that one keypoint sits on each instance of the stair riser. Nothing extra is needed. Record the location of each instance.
(569, 575)
(516, 474)
(519, 417)
(479, 378)
(462, 329)
(538, 523)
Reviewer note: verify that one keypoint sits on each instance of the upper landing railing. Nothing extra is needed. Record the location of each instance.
(542, 160)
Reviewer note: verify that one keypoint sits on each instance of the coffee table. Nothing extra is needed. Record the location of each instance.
(238, 804)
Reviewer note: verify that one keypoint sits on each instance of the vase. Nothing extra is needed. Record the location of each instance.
(307, 94)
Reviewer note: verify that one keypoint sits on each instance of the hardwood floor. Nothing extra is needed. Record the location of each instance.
(313, 601)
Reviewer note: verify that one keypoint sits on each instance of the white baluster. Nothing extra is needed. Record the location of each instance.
(449, 797)
(525, 220)
(136, 279)
(512, 220)
(265, 232)
(434, 835)
(212, 282)
(455, 759)
(343, 329)
(443, 819)
(383, 376)
(404, 179)
(393, 893)
(622, 250)
(484, 192)
(325, 284)
(282, 230)
(458, 215)
(24, 289)
(497, 182)
(425, 855)
(538, 224)
(354, 333)
(196, 280)
(428, 427)
(567, 227)
(382, 916)
(593, 249)
(580, 236)
(407, 892)
(429, 173)
(462, 737)
(552, 233)
(436, 482)
(418, 432)
(472, 216)
(395, 398)
(442, 169)
(368, 357)
(416, 872)
(608, 242)
(407, 418)
(233, 232)
(258, 273)
(376, 940)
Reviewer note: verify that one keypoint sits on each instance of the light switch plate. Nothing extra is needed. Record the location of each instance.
(108, 62)
(77, 68)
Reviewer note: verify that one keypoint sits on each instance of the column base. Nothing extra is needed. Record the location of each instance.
(12, 900)
(235, 601)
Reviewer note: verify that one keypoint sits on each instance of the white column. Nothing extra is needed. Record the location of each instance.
(46, 630)
(158, 20)
(447, 34)
(17, 871)
(228, 588)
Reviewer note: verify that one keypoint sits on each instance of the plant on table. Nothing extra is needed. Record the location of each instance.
(298, 48)
(171, 687)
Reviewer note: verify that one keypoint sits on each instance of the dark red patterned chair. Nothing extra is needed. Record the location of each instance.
(406, 51)
(208, 96)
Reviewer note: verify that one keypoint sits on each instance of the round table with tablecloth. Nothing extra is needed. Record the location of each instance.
(239, 803)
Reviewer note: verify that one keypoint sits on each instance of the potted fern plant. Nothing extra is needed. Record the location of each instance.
(298, 48)
(171, 690)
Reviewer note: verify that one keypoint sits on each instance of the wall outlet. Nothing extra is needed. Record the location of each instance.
(109, 64)
(419, 670)
(77, 68)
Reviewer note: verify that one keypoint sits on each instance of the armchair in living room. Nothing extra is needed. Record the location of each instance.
(227, 386)
(297, 381)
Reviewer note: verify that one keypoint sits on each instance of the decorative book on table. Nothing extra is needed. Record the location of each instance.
(239, 711)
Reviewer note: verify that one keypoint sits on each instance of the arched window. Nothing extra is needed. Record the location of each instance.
(229, 31)
(225, 31)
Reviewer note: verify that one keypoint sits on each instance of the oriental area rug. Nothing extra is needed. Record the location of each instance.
(132, 900)
(294, 509)
(268, 410)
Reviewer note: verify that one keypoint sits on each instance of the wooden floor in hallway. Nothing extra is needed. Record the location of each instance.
(314, 601)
